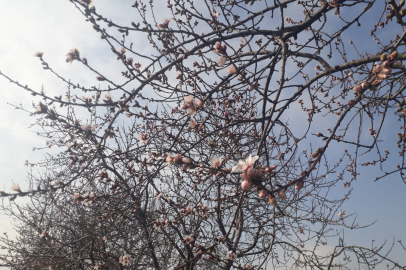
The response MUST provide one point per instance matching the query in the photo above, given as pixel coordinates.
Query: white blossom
(245, 165)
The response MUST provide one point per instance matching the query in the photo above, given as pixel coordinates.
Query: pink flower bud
(250, 87)
(179, 75)
(272, 200)
(221, 61)
(263, 193)
(246, 185)
(273, 167)
(299, 185)
(244, 176)
(186, 160)
(365, 85)
(393, 56)
(184, 107)
(386, 64)
(282, 195)
(386, 70)
(259, 176)
(376, 82)
(217, 46)
(357, 89)
(251, 173)
(178, 159)
(199, 103)
(232, 70)
(397, 65)
(382, 76)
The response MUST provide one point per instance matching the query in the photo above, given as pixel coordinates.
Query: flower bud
(232, 70)
(386, 70)
(246, 185)
(263, 193)
(199, 103)
(382, 76)
(250, 87)
(282, 195)
(299, 185)
(314, 155)
(186, 160)
(376, 69)
(357, 89)
(184, 107)
(384, 56)
(245, 176)
(385, 64)
(259, 176)
(393, 55)
(217, 46)
(365, 85)
(178, 159)
(397, 65)
(221, 61)
(251, 173)
(272, 200)
(178, 75)
(376, 83)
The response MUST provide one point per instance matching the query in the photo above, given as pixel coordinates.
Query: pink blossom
(143, 138)
(246, 185)
(231, 256)
(216, 162)
(263, 193)
(199, 103)
(188, 100)
(192, 110)
(125, 260)
(357, 89)
(232, 70)
(221, 61)
(188, 239)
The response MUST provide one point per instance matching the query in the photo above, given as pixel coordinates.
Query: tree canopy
(221, 144)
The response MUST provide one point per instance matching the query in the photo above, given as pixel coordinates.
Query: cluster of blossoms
(143, 138)
(158, 224)
(220, 49)
(202, 210)
(125, 260)
(85, 199)
(231, 256)
(253, 177)
(179, 160)
(191, 105)
(250, 175)
(380, 72)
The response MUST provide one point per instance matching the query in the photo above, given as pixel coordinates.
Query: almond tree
(191, 160)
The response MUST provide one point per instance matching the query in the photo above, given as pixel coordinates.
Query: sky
(55, 27)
